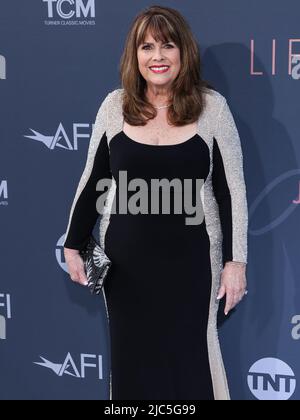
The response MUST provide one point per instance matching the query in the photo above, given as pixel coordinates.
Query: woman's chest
(189, 159)
(159, 132)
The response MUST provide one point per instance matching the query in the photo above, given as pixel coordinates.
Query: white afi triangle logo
(60, 138)
(68, 367)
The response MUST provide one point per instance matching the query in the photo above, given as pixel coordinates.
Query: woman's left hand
(233, 284)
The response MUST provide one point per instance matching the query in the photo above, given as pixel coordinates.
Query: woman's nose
(157, 53)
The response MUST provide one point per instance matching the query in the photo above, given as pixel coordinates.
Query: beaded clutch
(96, 264)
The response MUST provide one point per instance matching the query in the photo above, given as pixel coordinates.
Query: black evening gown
(159, 288)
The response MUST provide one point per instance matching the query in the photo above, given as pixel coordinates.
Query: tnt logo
(67, 9)
(2, 68)
(271, 379)
(60, 258)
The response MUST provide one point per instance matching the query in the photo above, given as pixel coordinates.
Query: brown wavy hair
(165, 24)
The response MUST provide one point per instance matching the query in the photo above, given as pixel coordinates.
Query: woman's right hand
(75, 266)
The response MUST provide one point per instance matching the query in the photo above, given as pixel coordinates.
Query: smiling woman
(161, 37)
(160, 58)
(165, 123)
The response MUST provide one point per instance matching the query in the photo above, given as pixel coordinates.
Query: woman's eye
(148, 46)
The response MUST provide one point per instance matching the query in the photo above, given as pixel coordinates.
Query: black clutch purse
(96, 264)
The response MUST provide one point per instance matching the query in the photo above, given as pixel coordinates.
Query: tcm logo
(2, 67)
(296, 328)
(60, 139)
(3, 193)
(69, 367)
(271, 379)
(5, 302)
(70, 10)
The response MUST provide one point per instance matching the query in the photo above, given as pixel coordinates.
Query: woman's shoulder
(213, 99)
(116, 91)
(109, 102)
(112, 99)
(115, 94)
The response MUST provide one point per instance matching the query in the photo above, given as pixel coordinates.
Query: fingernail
(218, 297)
(86, 283)
(226, 313)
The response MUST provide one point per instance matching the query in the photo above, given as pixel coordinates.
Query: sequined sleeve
(83, 214)
(229, 186)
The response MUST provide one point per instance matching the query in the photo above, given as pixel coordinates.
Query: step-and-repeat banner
(58, 60)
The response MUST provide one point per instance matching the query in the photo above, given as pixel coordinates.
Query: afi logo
(5, 302)
(68, 367)
(3, 192)
(60, 138)
(67, 9)
(2, 68)
(271, 379)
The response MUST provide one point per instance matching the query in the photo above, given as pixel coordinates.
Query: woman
(167, 274)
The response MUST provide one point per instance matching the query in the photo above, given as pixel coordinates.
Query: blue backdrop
(58, 60)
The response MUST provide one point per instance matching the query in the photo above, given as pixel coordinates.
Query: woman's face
(151, 54)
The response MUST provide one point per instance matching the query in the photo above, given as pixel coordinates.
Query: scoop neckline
(159, 145)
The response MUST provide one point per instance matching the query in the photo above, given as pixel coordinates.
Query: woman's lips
(158, 70)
